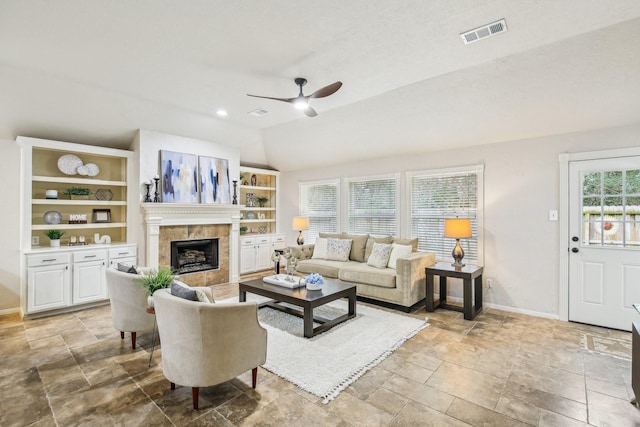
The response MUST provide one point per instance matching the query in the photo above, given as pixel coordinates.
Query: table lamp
(300, 223)
(457, 228)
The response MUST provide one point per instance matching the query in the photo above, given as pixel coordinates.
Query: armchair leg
(133, 340)
(254, 377)
(121, 335)
(194, 395)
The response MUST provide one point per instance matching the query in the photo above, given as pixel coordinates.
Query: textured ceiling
(95, 72)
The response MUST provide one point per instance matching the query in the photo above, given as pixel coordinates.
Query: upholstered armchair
(128, 304)
(207, 344)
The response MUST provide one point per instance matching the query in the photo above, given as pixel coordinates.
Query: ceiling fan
(301, 102)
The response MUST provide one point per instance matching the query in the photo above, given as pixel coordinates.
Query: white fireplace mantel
(157, 215)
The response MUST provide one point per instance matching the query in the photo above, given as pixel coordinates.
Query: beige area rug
(328, 363)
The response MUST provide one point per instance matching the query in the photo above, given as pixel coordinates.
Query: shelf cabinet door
(263, 261)
(89, 283)
(48, 287)
(247, 259)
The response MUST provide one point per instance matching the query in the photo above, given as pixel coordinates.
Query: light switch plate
(35, 240)
(553, 215)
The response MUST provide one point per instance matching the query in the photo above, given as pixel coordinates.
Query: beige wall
(521, 184)
(10, 256)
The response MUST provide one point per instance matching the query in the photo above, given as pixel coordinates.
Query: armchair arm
(410, 276)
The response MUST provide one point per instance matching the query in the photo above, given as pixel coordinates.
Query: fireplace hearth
(190, 256)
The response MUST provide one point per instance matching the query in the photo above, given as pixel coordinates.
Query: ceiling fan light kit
(301, 102)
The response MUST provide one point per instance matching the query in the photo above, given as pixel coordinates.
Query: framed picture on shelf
(101, 215)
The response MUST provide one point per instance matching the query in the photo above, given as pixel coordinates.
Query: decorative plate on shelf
(251, 215)
(104, 194)
(52, 217)
(92, 169)
(68, 164)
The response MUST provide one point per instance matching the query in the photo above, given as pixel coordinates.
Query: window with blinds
(446, 194)
(319, 202)
(373, 206)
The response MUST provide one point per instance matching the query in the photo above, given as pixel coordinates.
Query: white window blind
(319, 202)
(373, 206)
(436, 196)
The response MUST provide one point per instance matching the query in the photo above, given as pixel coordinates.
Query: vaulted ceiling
(96, 71)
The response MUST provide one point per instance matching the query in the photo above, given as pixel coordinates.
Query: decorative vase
(54, 243)
(314, 286)
(150, 301)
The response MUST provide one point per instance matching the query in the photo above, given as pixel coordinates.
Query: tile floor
(502, 369)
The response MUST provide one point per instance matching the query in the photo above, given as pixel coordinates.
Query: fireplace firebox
(190, 256)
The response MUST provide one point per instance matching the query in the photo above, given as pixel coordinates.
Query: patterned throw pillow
(380, 254)
(338, 249)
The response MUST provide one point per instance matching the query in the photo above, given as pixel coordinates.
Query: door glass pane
(591, 183)
(611, 209)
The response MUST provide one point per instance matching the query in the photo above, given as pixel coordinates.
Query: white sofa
(400, 287)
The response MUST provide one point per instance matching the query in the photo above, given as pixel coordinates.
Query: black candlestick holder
(147, 196)
(156, 195)
(235, 193)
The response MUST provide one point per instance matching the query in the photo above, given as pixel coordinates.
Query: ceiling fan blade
(326, 91)
(275, 99)
(310, 112)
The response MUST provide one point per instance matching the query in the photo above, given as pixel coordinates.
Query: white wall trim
(563, 216)
(11, 311)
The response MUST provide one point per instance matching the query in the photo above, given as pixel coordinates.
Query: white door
(604, 227)
(89, 281)
(48, 287)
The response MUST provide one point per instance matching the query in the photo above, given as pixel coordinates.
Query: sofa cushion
(412, 242)
(397, 251)
(362, 273)
(338, 249)
(358, 245)
(320, 249)
(379, 257)
(371, 241)
(330, 235)
(324, 267)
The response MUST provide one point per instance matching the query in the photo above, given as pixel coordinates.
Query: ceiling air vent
(484, 31)
(258, 112)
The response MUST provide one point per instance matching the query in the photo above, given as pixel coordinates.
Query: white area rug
(328, 363)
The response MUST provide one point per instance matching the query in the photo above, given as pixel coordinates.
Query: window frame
(478, 169)
(398, 207)
(308, 238)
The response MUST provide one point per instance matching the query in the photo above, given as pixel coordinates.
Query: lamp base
(457, 255)
(300, 239)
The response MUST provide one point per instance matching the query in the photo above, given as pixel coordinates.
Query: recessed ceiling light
(222, 113)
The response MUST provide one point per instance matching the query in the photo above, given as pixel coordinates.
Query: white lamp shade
(300, 223)
(457, 228)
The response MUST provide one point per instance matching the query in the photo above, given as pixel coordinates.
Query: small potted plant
(244, 229)
(54, 237)
(156, 279)
(77, 193)
(262, 200)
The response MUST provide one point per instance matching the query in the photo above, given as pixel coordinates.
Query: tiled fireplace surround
(165, 222)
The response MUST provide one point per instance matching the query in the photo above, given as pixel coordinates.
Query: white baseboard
(10, 311)
(508, 308)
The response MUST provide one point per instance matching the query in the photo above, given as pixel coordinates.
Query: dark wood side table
(468, 274)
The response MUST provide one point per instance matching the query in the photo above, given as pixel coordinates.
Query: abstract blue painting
(214, 180)
(179, 175)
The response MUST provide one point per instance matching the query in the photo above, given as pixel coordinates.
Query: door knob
(575, 250)
(575, 238)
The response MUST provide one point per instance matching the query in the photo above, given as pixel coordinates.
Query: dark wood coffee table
(306, 300)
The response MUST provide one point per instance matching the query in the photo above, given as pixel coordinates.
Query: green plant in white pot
(156, 279)
(54, 237)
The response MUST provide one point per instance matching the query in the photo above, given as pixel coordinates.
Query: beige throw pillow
(338, 249)
(358, 245)
(380, 254)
